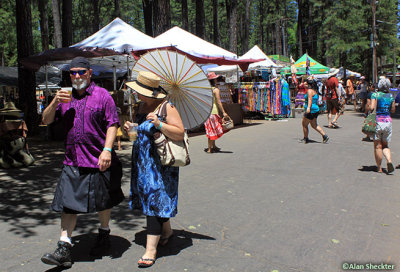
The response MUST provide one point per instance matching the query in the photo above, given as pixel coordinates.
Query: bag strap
(161, 109)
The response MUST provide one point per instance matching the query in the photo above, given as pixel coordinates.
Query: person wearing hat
(90, 180)
(213, 124)
(154, 184)
(332, 102)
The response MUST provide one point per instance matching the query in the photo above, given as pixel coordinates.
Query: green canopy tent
(300, 64)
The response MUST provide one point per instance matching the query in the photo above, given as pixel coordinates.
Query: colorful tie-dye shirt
(384, 103)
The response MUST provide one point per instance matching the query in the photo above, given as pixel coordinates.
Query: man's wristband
(107, 149)
(160, 126)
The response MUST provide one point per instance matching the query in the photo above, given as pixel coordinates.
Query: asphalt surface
(265, 203)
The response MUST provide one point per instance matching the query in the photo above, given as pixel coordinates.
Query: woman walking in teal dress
(155, 185)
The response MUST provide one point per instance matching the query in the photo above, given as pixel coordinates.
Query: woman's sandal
(146, 262)
(164, 240)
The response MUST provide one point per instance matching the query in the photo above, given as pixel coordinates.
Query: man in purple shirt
(90, 180)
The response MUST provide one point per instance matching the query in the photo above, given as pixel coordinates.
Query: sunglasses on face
(80, 72)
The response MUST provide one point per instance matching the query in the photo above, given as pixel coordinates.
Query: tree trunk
(44, 24)
(278, 37)
(148, 16)
(311, 32)
(185, 20)
(96, 16)
(117, 10)
(67, 23)
(300, 27)
(200, 18)
(57, 24)
(231, 12)
(26, 78)
(217, 40)
(162, 16)
(261, 23)
(246, 27)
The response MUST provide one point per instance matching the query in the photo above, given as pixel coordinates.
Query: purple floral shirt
(86, 120)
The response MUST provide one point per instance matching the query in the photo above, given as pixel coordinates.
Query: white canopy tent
(348, 73)
(120, 37)
(191, 44)
(257, 53)
(230, 72)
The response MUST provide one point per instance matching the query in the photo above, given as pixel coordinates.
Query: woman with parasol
(156, 185)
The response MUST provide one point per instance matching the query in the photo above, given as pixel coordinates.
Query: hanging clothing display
(272, 97)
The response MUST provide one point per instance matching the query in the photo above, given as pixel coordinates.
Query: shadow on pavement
(180, 240)
(26, 193)
(371, 168)
(83, 244)
(200, 131)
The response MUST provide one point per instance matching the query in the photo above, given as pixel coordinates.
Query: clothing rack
(270, 98)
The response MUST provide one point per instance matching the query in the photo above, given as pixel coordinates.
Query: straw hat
(148, 84)
(9, 107)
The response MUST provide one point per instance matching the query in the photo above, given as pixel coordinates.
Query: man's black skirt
(87, 190)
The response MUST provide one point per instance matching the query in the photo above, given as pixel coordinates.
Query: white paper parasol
(187, 85)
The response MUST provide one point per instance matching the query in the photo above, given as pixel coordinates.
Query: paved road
(265, 203)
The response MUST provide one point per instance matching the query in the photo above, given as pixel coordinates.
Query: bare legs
(313, 124)
(104, 218)
(68, 222)
(336, 117)
(211, 146)
(381, 149)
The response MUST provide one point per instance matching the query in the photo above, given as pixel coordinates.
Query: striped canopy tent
(315, 67)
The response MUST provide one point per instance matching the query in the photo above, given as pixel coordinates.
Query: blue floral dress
(155, 185)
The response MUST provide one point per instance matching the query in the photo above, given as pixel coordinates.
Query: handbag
(172, 153)
(227, 123)
(369, 125)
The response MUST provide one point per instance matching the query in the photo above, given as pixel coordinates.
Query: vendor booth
(261, 89)
(301, 66)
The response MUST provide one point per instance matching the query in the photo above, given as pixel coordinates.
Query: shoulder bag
(172, 153)
(369, 125)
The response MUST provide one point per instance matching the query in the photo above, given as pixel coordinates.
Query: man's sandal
(146, 262)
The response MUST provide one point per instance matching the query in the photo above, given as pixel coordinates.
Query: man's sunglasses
(80, 72)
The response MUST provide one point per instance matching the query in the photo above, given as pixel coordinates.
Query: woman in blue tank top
(311, 111)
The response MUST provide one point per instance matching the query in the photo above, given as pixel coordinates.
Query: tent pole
(47, 86)
(115, 77)
(127, 67)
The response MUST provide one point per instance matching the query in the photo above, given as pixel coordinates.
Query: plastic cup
(132, 132)
(69, 90)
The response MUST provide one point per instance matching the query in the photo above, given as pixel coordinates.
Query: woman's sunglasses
(80, 72)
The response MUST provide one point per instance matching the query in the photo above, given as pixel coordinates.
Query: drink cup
(69, 91)
(132, 132)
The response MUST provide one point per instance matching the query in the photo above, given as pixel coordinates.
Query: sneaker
(60, 257)
(305, 140)
(102, 244)
(325, 138)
